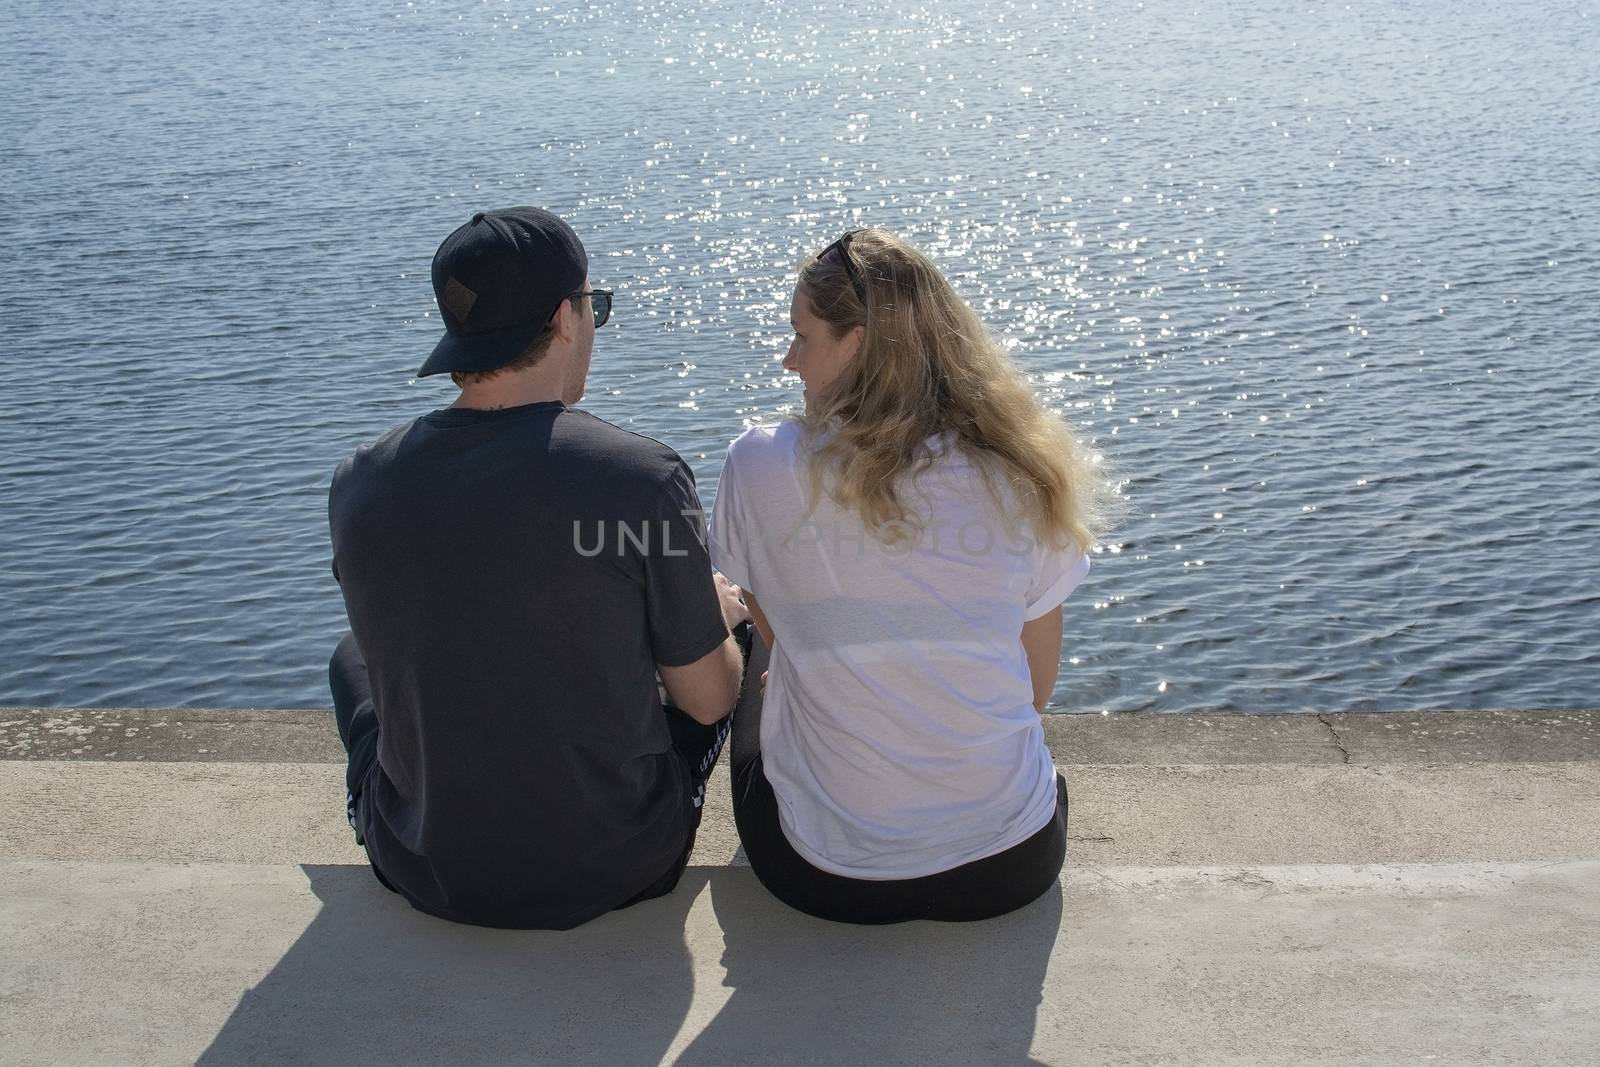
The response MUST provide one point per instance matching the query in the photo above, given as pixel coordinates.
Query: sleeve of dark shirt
(685, 618)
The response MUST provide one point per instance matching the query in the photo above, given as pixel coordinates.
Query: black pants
(697, 744)
(981, 889)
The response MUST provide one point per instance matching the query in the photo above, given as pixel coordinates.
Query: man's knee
(346, 654)
(347, 683)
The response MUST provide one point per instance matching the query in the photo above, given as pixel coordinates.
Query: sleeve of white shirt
(726, 534)
(1057, 573)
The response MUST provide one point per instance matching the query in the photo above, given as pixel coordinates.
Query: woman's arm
(1041, 640)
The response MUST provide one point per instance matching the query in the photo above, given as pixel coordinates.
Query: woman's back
(899, 730)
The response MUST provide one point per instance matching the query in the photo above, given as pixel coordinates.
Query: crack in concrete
(1104, 877)
(1337, 742)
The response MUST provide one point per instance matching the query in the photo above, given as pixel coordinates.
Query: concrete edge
(255, 735)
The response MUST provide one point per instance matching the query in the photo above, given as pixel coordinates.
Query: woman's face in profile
(815, 353)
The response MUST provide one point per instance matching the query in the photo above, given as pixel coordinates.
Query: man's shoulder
(620, 437)
(373, 450)
(620, 452)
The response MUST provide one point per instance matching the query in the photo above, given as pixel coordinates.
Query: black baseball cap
(498, 280)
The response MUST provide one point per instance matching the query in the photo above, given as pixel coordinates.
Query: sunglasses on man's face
(842, 247)
(599, 303)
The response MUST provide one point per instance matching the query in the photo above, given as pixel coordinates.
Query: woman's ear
(853, 341)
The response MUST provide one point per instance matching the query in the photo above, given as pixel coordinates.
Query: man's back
(512, 577)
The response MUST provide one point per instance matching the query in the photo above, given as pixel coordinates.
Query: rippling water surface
(1318, 279)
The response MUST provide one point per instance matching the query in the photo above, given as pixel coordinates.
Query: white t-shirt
(898, 730)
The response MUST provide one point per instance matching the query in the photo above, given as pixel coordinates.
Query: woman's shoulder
(768, 443)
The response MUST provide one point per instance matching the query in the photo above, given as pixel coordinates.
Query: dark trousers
(697, 744)
(981, 889)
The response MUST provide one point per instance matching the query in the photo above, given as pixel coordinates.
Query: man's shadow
(808, 991)
(371, 981)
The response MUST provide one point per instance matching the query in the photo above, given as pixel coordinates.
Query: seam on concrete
(161, 735)
(1338, 742)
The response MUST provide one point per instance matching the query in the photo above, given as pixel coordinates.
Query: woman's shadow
(371, 981)
(810, 991)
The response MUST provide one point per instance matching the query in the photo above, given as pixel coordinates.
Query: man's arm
(707, 689)
(1041, 640)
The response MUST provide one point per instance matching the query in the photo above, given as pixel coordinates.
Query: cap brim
(475, 353)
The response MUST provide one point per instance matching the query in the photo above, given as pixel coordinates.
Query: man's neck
(507, 391)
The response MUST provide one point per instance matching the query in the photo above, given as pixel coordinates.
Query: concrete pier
(180, 887)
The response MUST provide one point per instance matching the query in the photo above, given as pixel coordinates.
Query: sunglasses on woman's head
(842, 247)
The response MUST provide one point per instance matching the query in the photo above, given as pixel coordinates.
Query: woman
(904, 547)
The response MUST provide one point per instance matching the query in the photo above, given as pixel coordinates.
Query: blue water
(1318, 279)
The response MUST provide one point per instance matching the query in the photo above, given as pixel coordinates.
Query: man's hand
(731, 597)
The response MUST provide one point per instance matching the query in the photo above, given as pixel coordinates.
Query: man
(516, 573)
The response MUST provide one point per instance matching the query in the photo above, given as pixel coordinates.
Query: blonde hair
(926, 366)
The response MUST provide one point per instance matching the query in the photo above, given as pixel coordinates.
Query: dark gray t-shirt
(512, 578)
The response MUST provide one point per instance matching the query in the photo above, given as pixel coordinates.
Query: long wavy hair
(927, 366)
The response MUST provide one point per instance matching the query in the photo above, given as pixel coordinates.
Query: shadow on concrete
(372, 981)
(806, 991)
